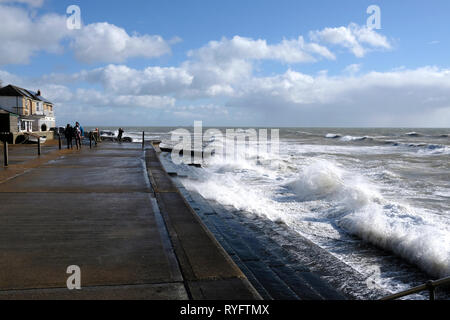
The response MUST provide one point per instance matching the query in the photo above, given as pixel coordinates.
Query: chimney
(39, 93)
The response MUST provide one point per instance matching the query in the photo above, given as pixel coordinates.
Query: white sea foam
(352, 138)
(353, 203)
(332, 136)
(433, 149)
(361, 210)
(413, 134)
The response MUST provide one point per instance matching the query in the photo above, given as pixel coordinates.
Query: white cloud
(219, 65)
(22, 36)
(396, 98)
(104, 42)
(121, 79)
(358, 39)
(289, 51)
(96, 98)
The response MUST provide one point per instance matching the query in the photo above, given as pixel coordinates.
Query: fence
(430, 286)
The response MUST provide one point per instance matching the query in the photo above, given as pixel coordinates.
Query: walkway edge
(208, 271)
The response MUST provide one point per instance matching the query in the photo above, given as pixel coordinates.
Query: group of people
(77, 133)
(71, 133)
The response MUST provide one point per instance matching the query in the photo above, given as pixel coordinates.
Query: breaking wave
(332, 136)
(352, 138)
(354, 205)
(361, 210)
(413, 134)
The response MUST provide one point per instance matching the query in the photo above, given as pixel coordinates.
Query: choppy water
(389, 188)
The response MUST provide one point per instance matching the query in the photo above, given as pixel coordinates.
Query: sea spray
(362, 211)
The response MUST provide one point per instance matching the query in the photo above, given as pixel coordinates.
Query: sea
(376, 199)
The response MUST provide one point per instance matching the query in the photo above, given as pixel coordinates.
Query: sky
(232, 63)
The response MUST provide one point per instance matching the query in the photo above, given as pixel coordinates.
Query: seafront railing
(430, 286)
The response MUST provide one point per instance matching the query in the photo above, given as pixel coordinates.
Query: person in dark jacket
(68, 133)
(120, 136)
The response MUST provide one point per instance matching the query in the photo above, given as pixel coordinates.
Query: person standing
(77, 134)
(68, 133)
(120, 136)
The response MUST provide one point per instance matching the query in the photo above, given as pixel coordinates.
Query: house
(36, 114)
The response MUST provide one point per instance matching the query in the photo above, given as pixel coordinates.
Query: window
(39, 106)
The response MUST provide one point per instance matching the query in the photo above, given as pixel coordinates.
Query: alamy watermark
(74, 281)
(230, 144)
(374, 21)
(74, 20)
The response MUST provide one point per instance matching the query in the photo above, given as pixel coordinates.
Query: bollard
(39, 146)
(59, 141)
(5, 153)
(143, 140)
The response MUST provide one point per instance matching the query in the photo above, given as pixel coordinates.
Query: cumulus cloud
(290, 51)
(121, 79)
(219, 64)
(96, 98)
(22, 36)
(104, 42)
(358, 39)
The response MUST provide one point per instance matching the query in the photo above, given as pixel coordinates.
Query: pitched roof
(14, 91)
(6, 111)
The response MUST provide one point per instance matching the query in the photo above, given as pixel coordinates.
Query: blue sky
(233, 63)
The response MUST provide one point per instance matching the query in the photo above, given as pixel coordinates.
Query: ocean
(376, 199)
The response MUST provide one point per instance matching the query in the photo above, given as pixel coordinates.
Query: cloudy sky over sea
(233, 63)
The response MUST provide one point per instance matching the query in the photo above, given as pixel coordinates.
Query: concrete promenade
(114, 212)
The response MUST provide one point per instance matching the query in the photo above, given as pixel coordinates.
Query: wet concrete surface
(98, 209)
(22, 153)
